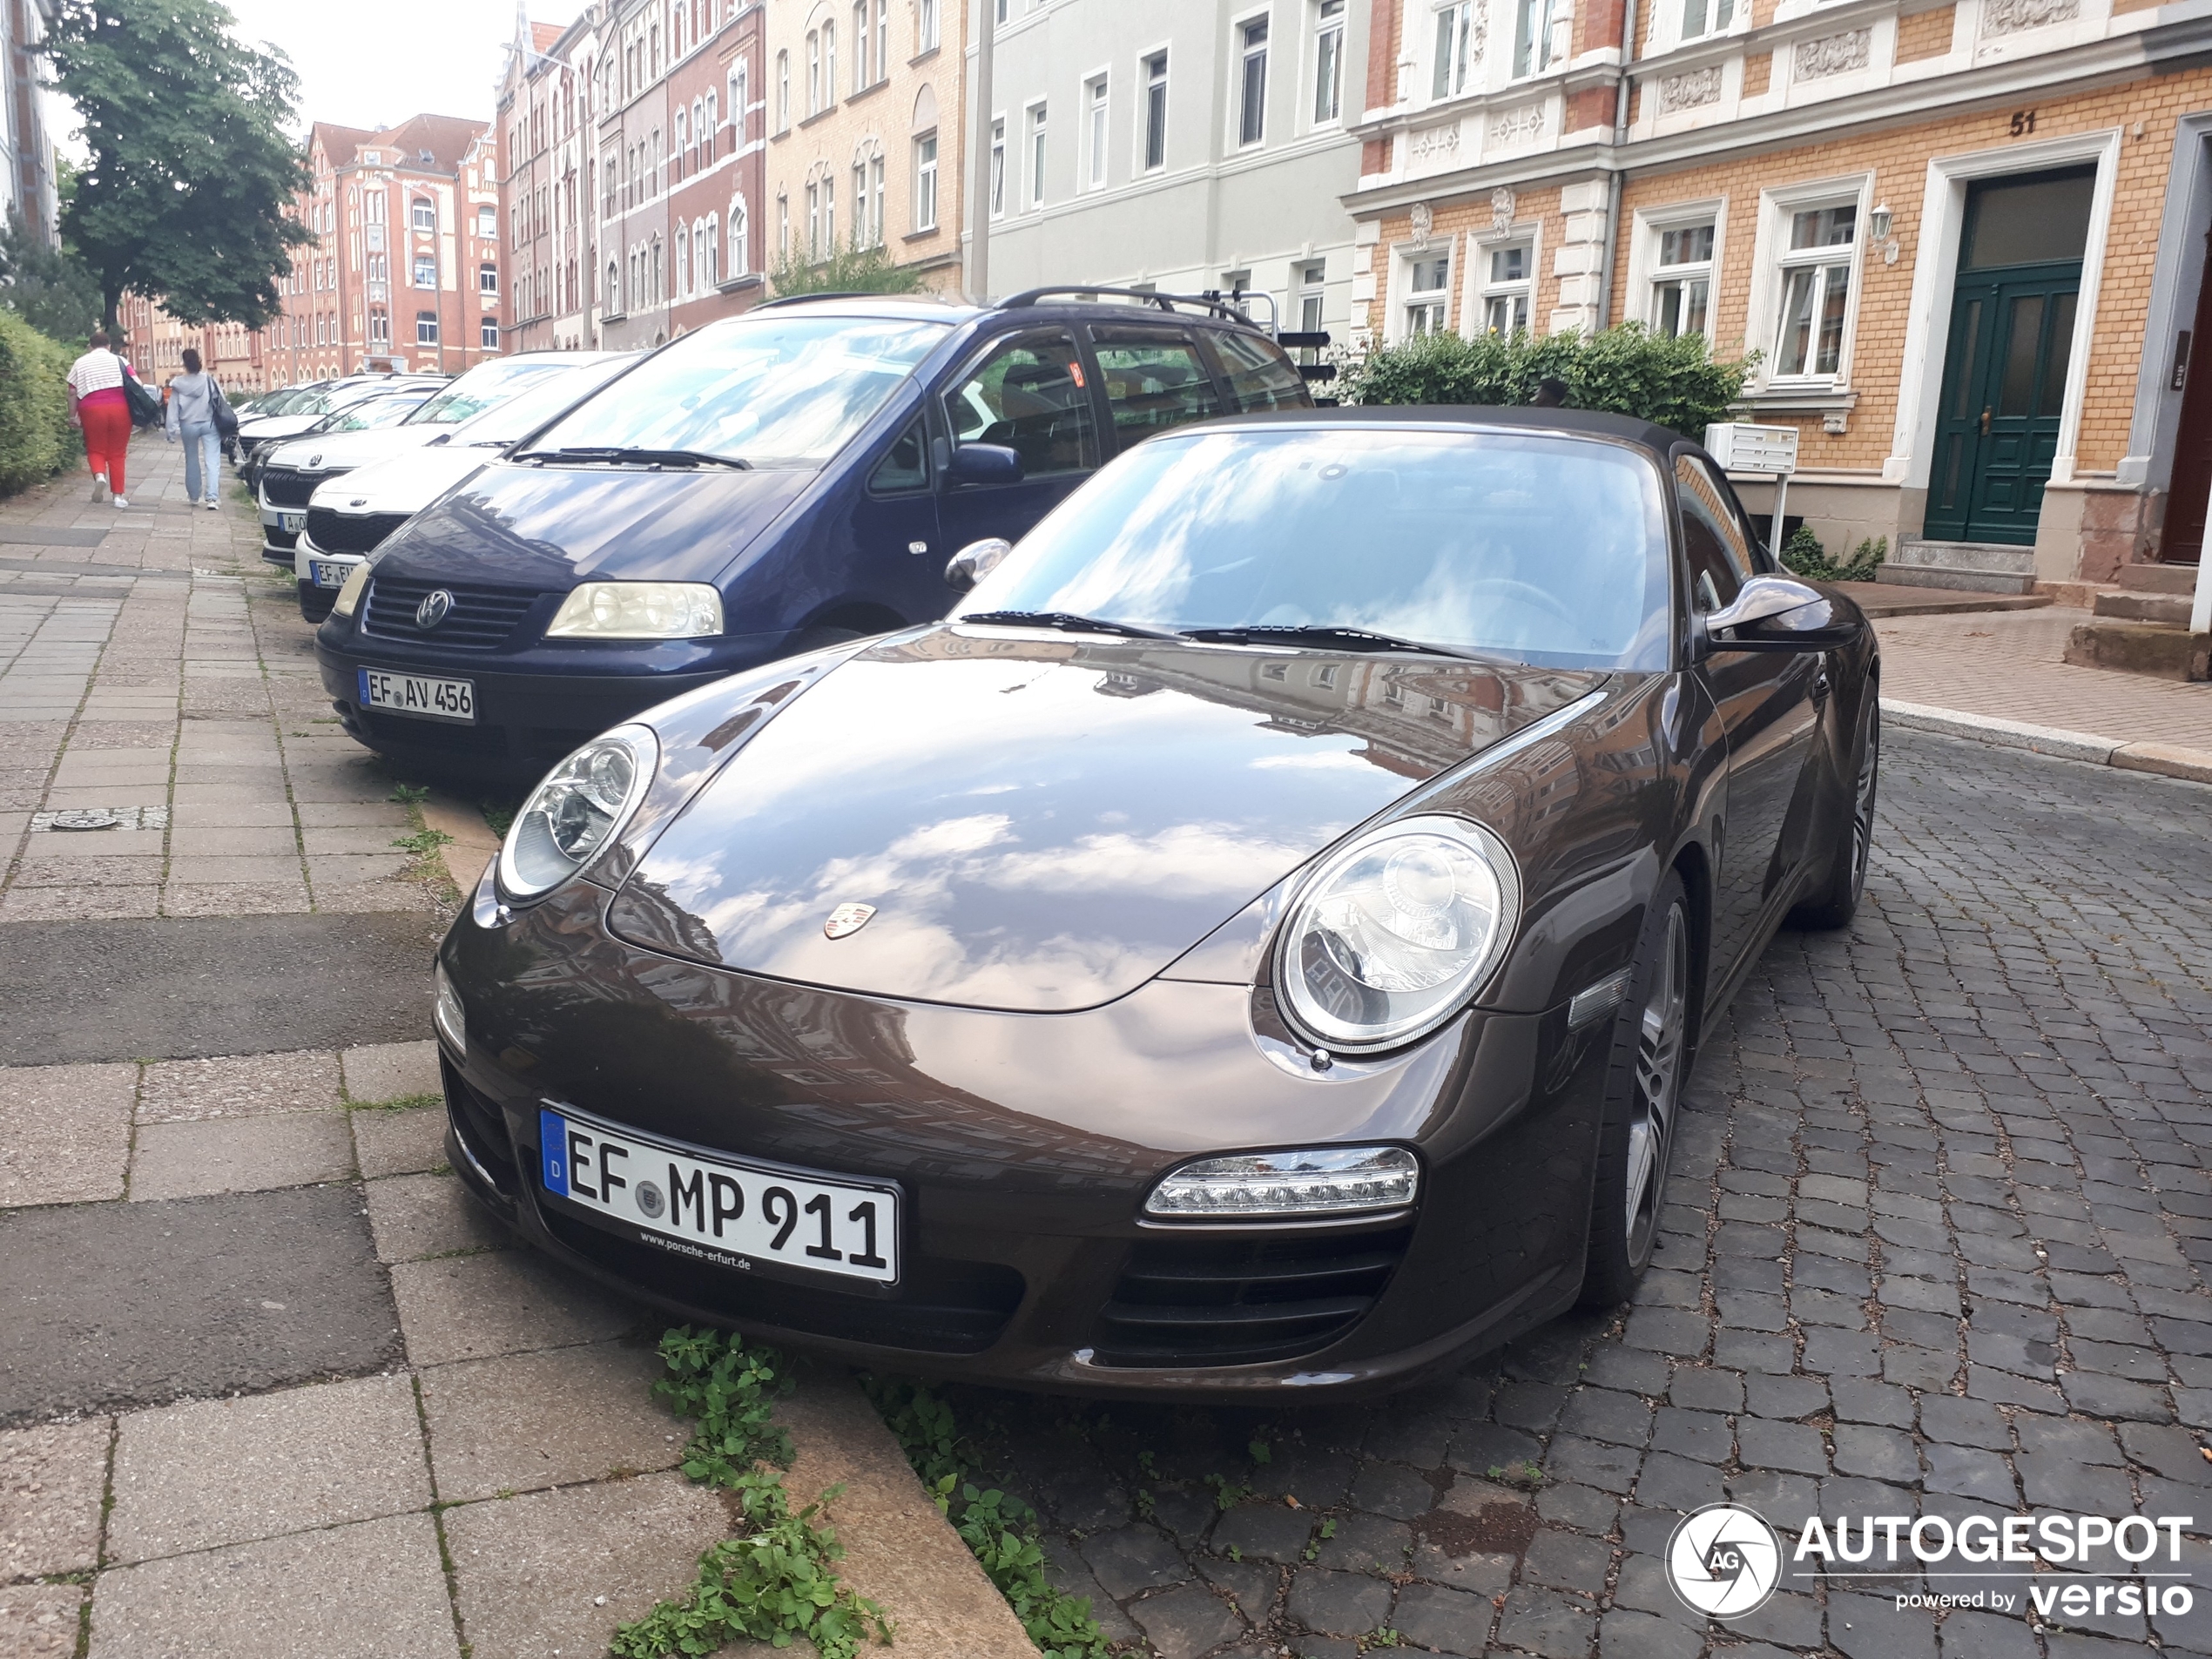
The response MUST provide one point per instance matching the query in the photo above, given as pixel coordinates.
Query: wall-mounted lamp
(1879, 221)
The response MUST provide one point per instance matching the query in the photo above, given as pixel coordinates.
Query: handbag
(219, 407)
(145, 408)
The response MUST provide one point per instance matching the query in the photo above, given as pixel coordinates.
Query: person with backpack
(101, 405)
(195, 403)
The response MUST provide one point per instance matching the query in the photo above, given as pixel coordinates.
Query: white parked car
(348, 517)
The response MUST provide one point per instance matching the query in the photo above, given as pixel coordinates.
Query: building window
(883, 40)
(684, 260)
(829, 63)
(488, 333)
(1507, 283)
(1706, 17)
(426, 270)
(1816, 290)
(1311, 292)
(1532, 36)
(1095, 96)
(487, 278)
(1251, 119)
(426, 327)
(1036, 156)
(740, 260)
(487, 220)
(683, 131)
(926, 27)
(1328, 63)
(926, 182)
(1155, 112)
(1428, 284)
(613, 293)
(861, 80)
(1681, 285)
(998, 167)
(783, 91)
(875, 197)
(1456, 52)
(380, 327)
(424, 214)
(709, 237)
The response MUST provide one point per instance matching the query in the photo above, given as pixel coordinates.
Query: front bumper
(1023, 1146)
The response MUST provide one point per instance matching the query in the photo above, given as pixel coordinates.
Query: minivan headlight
(349, 595)
(638, 611)
(581, 806)
(1396, 931)
(1319, 1181)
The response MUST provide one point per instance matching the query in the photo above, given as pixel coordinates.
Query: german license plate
(291, 522)
(328, 573)
(718, 1209)
(417, 694)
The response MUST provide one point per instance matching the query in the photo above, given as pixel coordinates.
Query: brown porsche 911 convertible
(1257, 942)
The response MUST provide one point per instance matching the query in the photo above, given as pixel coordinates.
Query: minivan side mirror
(1778, 613)
(985, 463)
(974, 562)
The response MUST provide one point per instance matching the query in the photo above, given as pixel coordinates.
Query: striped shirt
(99, 370)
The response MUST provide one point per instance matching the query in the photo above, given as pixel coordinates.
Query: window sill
(869, 90)
(825, 111)
(1808, 398)
(739, 283)
(923, 235)
(923, 56)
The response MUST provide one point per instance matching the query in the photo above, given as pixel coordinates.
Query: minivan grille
(287, 487)
(336, 532)
(481, 619)
(1243, 1300)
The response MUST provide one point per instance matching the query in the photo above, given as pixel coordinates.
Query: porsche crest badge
(847, 919)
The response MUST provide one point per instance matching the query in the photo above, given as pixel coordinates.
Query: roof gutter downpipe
(1614, 185)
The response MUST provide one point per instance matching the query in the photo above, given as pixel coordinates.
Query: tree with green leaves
(863, 270)
(47, 287)
(187, 196)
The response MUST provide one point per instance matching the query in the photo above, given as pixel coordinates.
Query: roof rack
(1227, 309)
(843, 293)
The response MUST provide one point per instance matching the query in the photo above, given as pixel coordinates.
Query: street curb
(473, 846)
(2166, 759)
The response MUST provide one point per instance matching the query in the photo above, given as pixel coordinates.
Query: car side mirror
(985, 463)
(1778, 613)
(974, 562)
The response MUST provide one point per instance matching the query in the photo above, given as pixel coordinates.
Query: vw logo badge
(1723, 1560)
(847, 919)
(437, 606)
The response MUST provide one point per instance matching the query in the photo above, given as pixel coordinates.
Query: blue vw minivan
(768, 484)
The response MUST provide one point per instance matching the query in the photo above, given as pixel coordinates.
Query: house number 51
(2023, 122)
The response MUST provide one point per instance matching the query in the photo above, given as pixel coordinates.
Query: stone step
(1996, 557)
(1967, 580)
(2171, 609)
(2158, 578)
(2141, 648)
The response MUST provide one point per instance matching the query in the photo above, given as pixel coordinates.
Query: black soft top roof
(1621, 429)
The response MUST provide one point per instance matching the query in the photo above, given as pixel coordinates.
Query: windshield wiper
(1265, 633)
(1067, 621)
(617, 455)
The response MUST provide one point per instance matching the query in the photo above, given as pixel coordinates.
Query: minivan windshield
(773, 389)
(1543, 550)
(545, 398)
(480, 388)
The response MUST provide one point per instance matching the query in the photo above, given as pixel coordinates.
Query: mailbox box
(1742, 447)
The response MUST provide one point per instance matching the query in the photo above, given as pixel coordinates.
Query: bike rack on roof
(1228, 309)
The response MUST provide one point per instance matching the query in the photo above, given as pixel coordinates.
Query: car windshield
(776, 390)
(1543, 550)
(547, 398)
(481, 388)
(381, 411)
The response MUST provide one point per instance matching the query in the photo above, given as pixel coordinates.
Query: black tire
(1834, 900)
(822, 636)
(1643, 1082)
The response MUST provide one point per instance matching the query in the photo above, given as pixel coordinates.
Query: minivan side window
(1720, 557)
(1155, 381)
(902, 469)
(1029, 393)
(1260, 376)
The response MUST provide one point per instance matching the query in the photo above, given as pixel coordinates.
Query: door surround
(2175, 276)
(1935, 274)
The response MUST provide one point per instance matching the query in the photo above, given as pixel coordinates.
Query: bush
(37, 440)
(850, 271)
(1629, 370)
(1804, 554)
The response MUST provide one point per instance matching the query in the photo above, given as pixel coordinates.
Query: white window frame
(927, 24)
(1397, 326)
(1480, 288)
(1146, 83)
(1037, 135)
(926, 180)
(998, 167)
(1466, 16)
(1098, 91)
(1326, 27)
(1241, 103)
(1770, 254)
(1644, 268)
(1533, 23)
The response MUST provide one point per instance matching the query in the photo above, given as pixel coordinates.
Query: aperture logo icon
(1723, 1560)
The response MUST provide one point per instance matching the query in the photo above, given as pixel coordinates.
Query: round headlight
(1394, 932)
(583, 802)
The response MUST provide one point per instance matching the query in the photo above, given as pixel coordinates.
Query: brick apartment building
(865, 105)
(157, 343)
(406, 269)
(1968, 238)
(630, 171)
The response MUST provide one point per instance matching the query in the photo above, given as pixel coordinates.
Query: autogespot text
(2144, 1543)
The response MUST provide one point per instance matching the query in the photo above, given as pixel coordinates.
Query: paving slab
(212, 1473)
(40, 1620)
(556, 1573)
(375, 1590)
(405, 1143)
(416, 1216)
(190, 1091)
(241, 1155)
(391, 1070)
(524, 1421)
(117, 1305)
(52, 1477)
(472, 1307)
(65, 1133)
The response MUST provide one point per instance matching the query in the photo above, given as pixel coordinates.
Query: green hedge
(1630, 370)
(37, 440)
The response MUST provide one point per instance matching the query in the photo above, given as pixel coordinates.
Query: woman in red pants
(103, 410)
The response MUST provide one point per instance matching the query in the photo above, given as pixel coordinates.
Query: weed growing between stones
(776, 1580)
(999, 1529)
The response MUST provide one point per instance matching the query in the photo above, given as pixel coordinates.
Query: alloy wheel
(1661, 1040)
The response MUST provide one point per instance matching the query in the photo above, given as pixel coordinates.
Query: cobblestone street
(1937, 1245)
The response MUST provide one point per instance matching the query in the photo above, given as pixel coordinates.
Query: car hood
(342, 451)
(270, 428)
(403, 483)
(1044, 825)
(551, 527)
